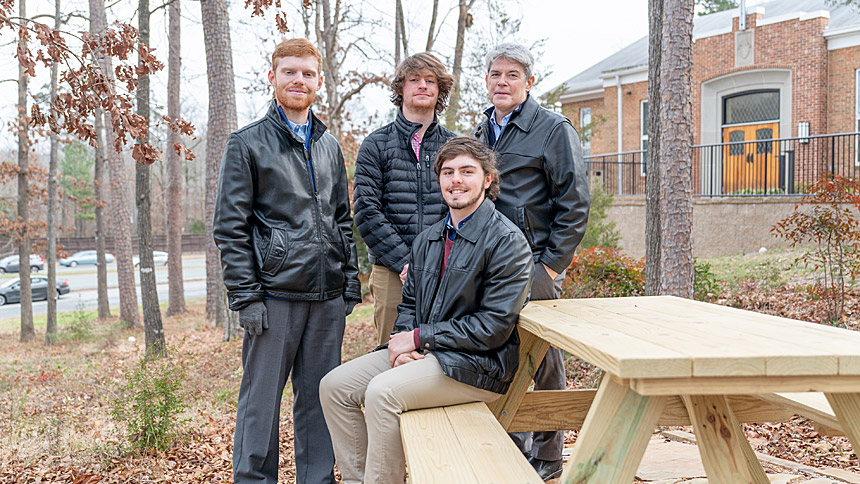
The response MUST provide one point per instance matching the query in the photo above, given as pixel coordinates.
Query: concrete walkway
(672, 458)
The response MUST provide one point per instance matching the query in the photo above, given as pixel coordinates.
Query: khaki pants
(385, 392)
(387, 292)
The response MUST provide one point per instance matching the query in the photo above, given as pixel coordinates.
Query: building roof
(635, 55)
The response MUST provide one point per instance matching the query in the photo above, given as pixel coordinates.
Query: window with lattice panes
(584, 122)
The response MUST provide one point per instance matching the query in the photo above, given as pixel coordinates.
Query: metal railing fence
(766, 167)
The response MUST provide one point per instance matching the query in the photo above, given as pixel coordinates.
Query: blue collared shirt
(303, 131)
(497, 128)
(450, 231)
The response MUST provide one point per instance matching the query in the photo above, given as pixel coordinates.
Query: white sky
(578, 34)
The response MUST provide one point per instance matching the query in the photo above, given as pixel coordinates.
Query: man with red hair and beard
(283, 224)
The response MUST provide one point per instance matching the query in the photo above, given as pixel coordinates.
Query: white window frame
(643, 135)
(583, 114)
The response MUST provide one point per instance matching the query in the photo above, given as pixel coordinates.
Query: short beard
(295, 104)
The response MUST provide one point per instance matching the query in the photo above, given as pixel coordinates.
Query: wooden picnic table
(663, 351)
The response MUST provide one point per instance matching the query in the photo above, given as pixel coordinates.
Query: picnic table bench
(667, 361)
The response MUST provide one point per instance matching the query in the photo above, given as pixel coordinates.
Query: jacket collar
(524, 119)
(317, 126)
(472, 229)
(407, 128)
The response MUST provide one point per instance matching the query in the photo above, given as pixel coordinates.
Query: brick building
(792, 71)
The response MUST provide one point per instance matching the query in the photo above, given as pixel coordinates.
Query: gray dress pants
(549, 376)
(304, 342)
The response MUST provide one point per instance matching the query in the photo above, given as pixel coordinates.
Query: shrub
(79, 327)
(705, 286)
(598, 232)
(149, 405)
(603, 272)
(825, 218)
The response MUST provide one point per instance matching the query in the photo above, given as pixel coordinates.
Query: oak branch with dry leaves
(88, 86)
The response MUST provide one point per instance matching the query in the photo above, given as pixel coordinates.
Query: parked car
(10, 291)
(10, 263)
(159, 258)
(85, 257)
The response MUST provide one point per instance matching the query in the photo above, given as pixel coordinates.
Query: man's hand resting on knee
(402, 344)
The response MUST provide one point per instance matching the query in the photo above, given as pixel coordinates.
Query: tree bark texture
(676, 141)
(222, 121)
(28, 332)
(51, 256)
(327, 42)
(98, 193)
(176, 293)
(121, 227)
(153, 329)
(452, 113)
(652, 177)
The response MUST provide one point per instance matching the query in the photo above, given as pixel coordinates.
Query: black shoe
(546, 469)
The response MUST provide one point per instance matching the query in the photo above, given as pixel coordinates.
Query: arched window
(751, 107)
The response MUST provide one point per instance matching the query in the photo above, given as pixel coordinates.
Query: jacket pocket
(525, 226)
(270, 249)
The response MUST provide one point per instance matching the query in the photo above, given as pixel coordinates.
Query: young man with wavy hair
(455, 338)
(395, 193)
(283, 224)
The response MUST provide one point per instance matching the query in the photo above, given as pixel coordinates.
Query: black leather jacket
(283, 233)
(544, 187)
(396, 195)
(468, 319)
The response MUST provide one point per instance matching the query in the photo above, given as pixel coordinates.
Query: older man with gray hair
(544, 192)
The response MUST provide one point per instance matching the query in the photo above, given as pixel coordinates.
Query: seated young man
(454, 339)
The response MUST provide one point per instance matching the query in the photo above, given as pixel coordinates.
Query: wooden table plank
(602, 346)
(718, 354)
(801, 336)
(743, 385)
(720, 344)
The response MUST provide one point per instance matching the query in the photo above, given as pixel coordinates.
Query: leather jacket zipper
(317, 217)
(420, 200)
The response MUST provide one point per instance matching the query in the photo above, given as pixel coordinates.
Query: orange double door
(750, 167)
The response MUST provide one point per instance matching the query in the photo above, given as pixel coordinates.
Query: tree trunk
(152, 326)
(431, 32)
(652, 176)
(98, 193)
(328, 45)
(176, 297)
(398, 32)
(121, 227)
(674, 168)
(28, 332)
(51, 256)
(222, 121)
(451, 114)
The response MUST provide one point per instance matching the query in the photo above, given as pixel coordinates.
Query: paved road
(83, 282)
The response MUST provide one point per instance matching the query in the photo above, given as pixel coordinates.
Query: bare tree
(669, 262)
(222, 121)
(340, 86)
(121, 229)
(398, 33)
(28, 331)
(51, 326)
(176, 297)
(98, 183)
(431, 32)
(464, 21)
(152, 326)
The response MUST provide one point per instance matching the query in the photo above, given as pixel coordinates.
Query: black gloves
(253, 318)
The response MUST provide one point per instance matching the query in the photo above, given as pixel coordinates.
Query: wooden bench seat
(461, 444)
